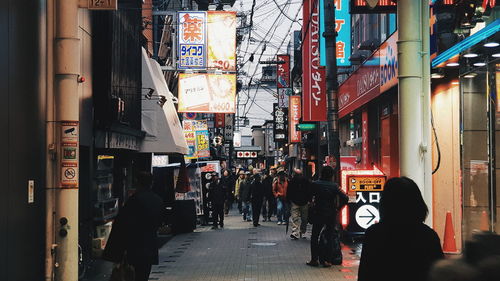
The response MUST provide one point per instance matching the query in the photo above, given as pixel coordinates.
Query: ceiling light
(455, 83)
(470, 75)
(497, 55)
(491, 44)
(452, 64)
(479, 64)
(437, 75)
(470, 55)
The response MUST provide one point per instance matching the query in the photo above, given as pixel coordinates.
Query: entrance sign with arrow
(366, 215)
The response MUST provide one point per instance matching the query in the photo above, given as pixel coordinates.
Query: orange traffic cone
(449, 243)
(484, 225)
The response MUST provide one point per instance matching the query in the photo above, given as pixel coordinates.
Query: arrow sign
(367, 215)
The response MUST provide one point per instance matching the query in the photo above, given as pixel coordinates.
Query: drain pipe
(414, 117)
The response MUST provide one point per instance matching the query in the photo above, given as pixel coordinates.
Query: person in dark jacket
(257, 196)
(269, 203)
(327, 201)
(244, 193)
(402, 215)
(134, 233)
(299, 194)
(217, 196)
(228, 182)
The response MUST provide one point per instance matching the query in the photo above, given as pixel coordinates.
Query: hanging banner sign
(343, 29)
(389, 63)
(207, 93)
(192, 41)
(294, 119)
(284, 96)
(280, 123)
(197, 138)
(221, 39)
(283, 72)
(219, 120)
(228, 127)
(313, 75)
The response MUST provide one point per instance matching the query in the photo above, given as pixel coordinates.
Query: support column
(414, 97)
(66, 70)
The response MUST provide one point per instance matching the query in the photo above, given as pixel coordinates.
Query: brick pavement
(241, 252)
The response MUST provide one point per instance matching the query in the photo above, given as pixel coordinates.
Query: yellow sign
(364, 183)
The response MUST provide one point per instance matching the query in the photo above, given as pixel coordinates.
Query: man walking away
(257, 194)
(245, 197)
(217, 196)
(134, 232)
(269, 203)
(299, 194)
(327, 201)
(280, 187)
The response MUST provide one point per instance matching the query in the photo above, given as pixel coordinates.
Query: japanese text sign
(313, 75)
(197, 138)
(343, 29)
(283, 96)
(283, 72)
(280, 123)
(207, 93)
(294, 118)
(192, 40)
(221, 40)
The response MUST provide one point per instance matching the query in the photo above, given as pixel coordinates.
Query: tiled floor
(243, 252)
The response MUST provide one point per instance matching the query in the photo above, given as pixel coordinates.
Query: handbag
(123, 271)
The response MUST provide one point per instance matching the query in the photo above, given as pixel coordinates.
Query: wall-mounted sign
(197, 138)
(294, 112)
(102, 4)
(228, 127)
(343, 29)
(283, 72)
(280, 123)
(192, 40)
(284, 96)
(246, 154)
(207, 93)
(221, 40)
(314, 76)
(219, 120)
(237, 139)
(373, 6)
(389, 63)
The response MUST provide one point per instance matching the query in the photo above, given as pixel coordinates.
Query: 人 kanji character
(359, 197)
(193, 29)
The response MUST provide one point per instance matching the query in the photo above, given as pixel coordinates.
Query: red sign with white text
(294, 119)
(283, 72)
(313, 75)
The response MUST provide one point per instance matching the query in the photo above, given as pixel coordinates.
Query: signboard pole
(332, 87)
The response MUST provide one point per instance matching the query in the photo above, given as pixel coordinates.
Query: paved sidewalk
(241, 252)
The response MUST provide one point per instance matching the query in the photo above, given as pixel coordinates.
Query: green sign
(306, 127)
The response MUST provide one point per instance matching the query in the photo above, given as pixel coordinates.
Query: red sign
(294, 119)
(219, 120)
(283, 72)
(314, 76)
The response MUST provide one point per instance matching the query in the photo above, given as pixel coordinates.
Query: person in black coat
(401, 229)
(299, 195)
(245, 197)
(269, 203)
(327, 201)
(217, 196)
(257, 196)
(134, 233)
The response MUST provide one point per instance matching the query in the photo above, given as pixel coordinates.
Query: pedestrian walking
(401, 228)
(280, 187)
(245, 197)
(327, 201)
(228, 182)
(134, 234)
(257, 196)
(237, 184)
(269, 204)
(217, 196)
(299, 195)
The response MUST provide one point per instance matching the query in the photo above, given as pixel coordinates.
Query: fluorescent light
(479, 64)
(451, 64)
(437, 75)
(470, 55)
(497, 55)
(470, 75)
(491, 44)
(455, 83)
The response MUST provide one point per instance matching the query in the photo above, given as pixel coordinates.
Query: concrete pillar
(414, 96)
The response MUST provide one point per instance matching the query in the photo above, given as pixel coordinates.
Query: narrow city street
(243, 252)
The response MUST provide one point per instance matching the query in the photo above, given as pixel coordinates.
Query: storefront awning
(162, 126)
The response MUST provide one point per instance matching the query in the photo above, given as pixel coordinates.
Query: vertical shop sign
(69, 154)
(294, 119)
(279, 118)
(192, 40)
(221, 40)
(343, 29)
(197, 138)
(314, 78)
(283, 72)
(219, 120)
(389, 63)
(228, 127)
(284, 96)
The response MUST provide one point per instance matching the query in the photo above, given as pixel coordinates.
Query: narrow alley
(243, 252)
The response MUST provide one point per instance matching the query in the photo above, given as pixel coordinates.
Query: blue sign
(192, 40)
(343, 28)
